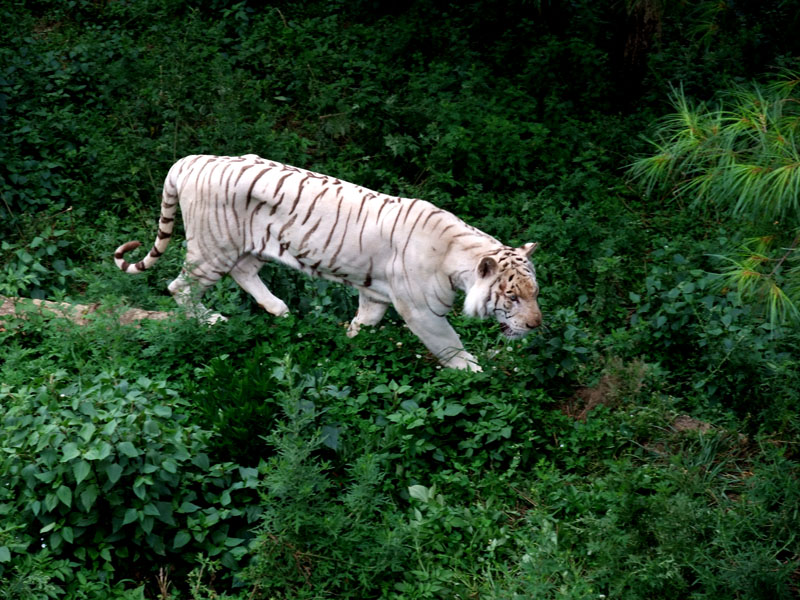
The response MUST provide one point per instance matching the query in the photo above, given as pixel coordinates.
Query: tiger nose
(535, 322)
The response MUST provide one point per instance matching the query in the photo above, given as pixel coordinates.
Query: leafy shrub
(240, 398)
(323, 530)
(742, 157)
(677, 528)
(113, 475)
(37, 269)
(713, 344)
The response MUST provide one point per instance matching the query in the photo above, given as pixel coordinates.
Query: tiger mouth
(509, 332)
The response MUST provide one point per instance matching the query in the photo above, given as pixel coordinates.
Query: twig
(789, 250)
(285, 24)
(163, 583)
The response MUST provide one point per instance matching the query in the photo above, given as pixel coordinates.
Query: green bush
(324, 530)
(38, 269)
(111, 474)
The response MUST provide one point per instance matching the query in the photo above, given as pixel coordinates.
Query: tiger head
(505, 286)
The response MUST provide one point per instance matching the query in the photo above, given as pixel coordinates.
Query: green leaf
(67, 534)
(130, 516)
(46, 477)
(110, 427)
(454, 409)
(140, 491)
(50, 502)
(55, 540)
(5, 554)
(249, 474)
(48, 527)
(409, 405)
(81, 470)
(70, 451)
(188, 507)
(88, 497)
(147, 525)
(87, 431)
(420, 492)
(163, 411)
(65, 495)
(128, 449)
(98, 451)
(113, 472)
(181, 539)
(201, 461)
(165, 513)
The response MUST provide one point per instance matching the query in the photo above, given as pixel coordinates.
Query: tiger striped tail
(169, 206)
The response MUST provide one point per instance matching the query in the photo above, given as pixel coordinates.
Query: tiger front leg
(439, 337)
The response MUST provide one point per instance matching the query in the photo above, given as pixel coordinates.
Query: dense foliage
(642, 444)
(743, 158)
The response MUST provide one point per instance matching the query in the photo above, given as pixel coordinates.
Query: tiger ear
(487, 266)
(529, 249)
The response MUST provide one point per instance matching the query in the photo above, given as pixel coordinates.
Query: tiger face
(506, 287)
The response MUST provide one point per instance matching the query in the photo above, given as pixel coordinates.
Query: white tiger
(240, 212)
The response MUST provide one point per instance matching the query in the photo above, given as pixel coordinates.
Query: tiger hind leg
(370, 312)
(188, 288)
(245, 273)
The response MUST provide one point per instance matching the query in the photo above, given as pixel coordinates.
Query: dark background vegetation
(642, 444)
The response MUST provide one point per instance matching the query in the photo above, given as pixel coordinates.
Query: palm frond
(781, 307)
(754, 273)
(782, 188)
(744, 156)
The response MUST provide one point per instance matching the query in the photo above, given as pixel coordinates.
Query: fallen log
(77, 313)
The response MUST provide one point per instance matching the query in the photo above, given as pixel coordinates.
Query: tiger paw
(278, 309)
(464, 362)
(211, 318)
(353, 329)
